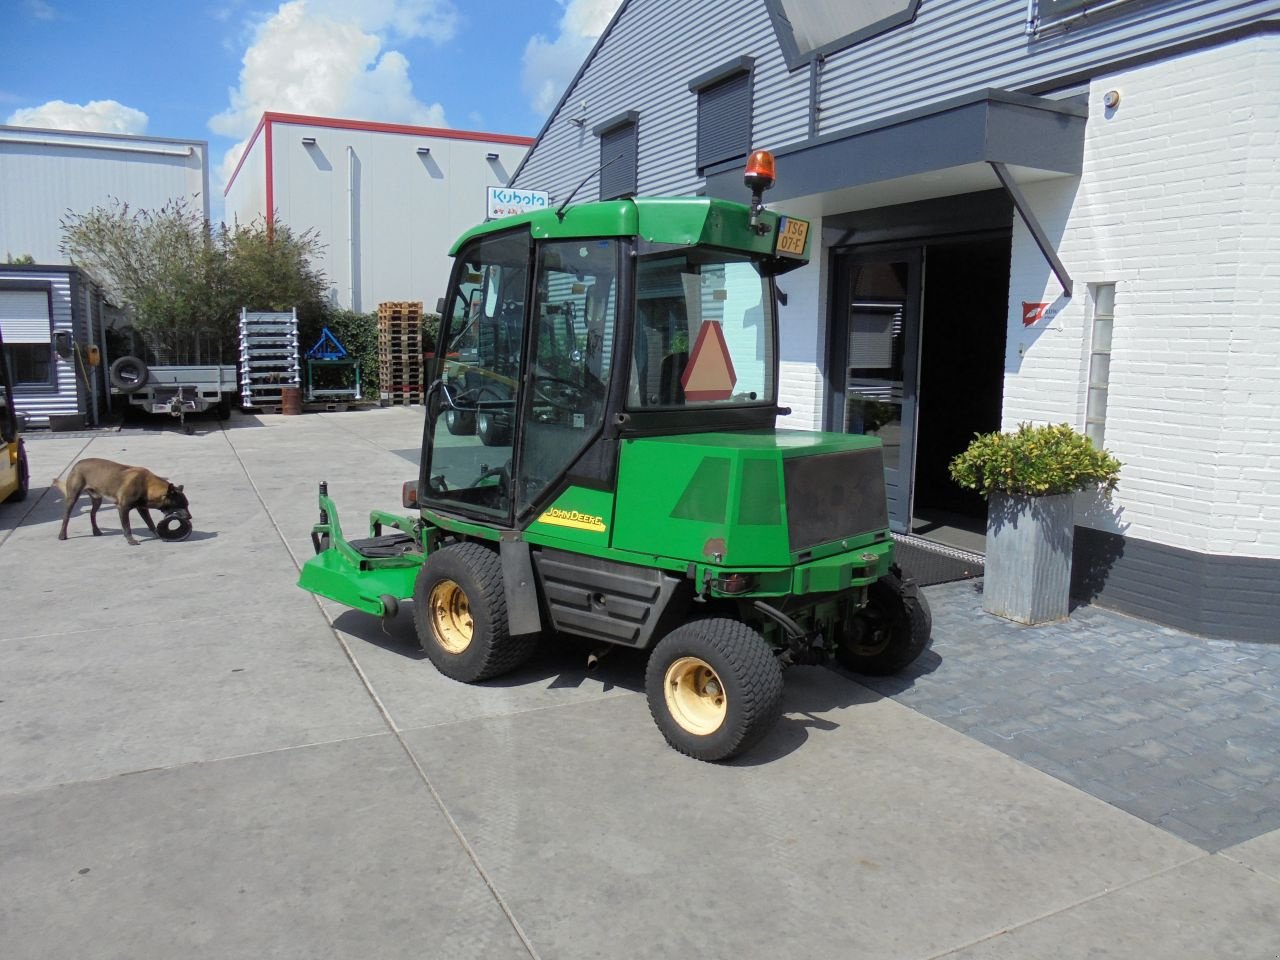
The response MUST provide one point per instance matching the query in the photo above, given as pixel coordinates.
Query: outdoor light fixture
(424, 151)
(308, 141)
(491, 156)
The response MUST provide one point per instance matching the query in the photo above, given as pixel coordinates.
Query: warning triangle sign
(709, 374)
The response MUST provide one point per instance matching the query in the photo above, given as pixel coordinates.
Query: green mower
(600, 459)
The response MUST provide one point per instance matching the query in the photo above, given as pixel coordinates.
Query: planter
(1028, 562)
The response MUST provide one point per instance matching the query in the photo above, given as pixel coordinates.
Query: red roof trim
(445, 132)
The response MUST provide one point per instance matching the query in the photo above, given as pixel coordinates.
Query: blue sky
(207, 69)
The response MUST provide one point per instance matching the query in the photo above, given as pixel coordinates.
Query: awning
(992, 139)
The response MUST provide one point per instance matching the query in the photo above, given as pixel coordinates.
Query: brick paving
(1179, 730)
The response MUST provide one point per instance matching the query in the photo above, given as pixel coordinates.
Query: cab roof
(662, 221)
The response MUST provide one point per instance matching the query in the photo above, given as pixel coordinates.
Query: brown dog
(130, 488)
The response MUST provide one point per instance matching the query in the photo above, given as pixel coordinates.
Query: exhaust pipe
(595, 656)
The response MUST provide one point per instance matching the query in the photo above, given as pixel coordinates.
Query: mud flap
(523, 616)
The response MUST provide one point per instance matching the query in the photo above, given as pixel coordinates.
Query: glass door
(875, 358)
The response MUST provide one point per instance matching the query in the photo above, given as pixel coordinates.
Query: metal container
(1028, 563)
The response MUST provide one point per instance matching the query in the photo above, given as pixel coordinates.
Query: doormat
(928, 562)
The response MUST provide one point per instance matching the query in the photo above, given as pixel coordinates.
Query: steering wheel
(570, 394)
(503, 473)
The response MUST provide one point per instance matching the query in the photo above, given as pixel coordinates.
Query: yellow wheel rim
(695, 696)
(451, 616)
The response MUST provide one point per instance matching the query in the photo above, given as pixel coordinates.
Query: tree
(185, 282)
(270, 269)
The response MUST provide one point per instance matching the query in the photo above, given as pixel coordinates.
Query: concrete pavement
(198, 759)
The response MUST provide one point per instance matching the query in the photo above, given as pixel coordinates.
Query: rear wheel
(492, 431)
(890, 632)
(460, 424)
(460, 612)
(714, 688)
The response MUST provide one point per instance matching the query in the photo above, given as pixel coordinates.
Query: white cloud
(96, 116)
(326, 58)
(41, 10)
(549, 65)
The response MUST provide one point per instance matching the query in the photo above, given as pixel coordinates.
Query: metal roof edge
(564, 97)
(131, 137)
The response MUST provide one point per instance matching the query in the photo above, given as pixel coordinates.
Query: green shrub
(1038, 461)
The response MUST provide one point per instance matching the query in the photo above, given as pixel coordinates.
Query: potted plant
(1030, 478)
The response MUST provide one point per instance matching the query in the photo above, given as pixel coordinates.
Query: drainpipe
(351, 228)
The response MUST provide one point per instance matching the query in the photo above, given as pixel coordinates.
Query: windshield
(704, 333)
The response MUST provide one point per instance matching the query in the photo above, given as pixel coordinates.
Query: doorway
(917, 355)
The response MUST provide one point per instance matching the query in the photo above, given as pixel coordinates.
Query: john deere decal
(572, 518)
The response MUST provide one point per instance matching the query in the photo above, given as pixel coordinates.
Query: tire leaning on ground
(460, 613)
(714, 688)
(128, 374)
(891, 632)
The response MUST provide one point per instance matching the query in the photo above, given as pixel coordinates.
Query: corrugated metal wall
(952, 48)
(45, 173)
(39, 403)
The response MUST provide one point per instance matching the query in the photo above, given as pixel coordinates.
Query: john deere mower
(600, 459)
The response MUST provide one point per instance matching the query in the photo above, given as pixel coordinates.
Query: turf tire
(749, 674)
(477, 571)
(901, 614)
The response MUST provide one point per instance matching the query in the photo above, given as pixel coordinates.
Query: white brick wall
(802, 328)
(1179, 206)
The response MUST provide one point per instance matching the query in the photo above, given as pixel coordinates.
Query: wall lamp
(424, 151)
(491, 156)
(308, 141)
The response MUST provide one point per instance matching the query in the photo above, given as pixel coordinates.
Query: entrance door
(875, 353)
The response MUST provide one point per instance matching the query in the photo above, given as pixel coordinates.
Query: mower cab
(601, 459)
(15, 473)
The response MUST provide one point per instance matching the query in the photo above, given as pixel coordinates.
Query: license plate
(792, 235)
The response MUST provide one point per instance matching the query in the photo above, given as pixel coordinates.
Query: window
(704, 333)
(484, 345)
(25, 323)
(618, 156)
(1051, 13)
(1095, 419)
(808, 29)
(575, 304)
(724, 113)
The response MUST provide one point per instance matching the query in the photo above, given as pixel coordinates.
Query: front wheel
(460, 612)
(890, 632)
(714, 688)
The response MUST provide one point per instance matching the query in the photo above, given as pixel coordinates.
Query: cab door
(467, 457)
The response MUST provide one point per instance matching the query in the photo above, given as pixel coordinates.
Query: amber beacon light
(759, 177)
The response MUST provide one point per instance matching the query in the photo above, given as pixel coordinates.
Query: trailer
(174, 389)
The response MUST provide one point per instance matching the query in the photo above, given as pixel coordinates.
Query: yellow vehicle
(15, 475)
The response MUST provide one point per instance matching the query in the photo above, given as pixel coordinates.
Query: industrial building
(1051, 211)
(49, 311)
(385, 200)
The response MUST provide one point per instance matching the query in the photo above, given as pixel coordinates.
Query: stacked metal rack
(400, 352)
(268, 359)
